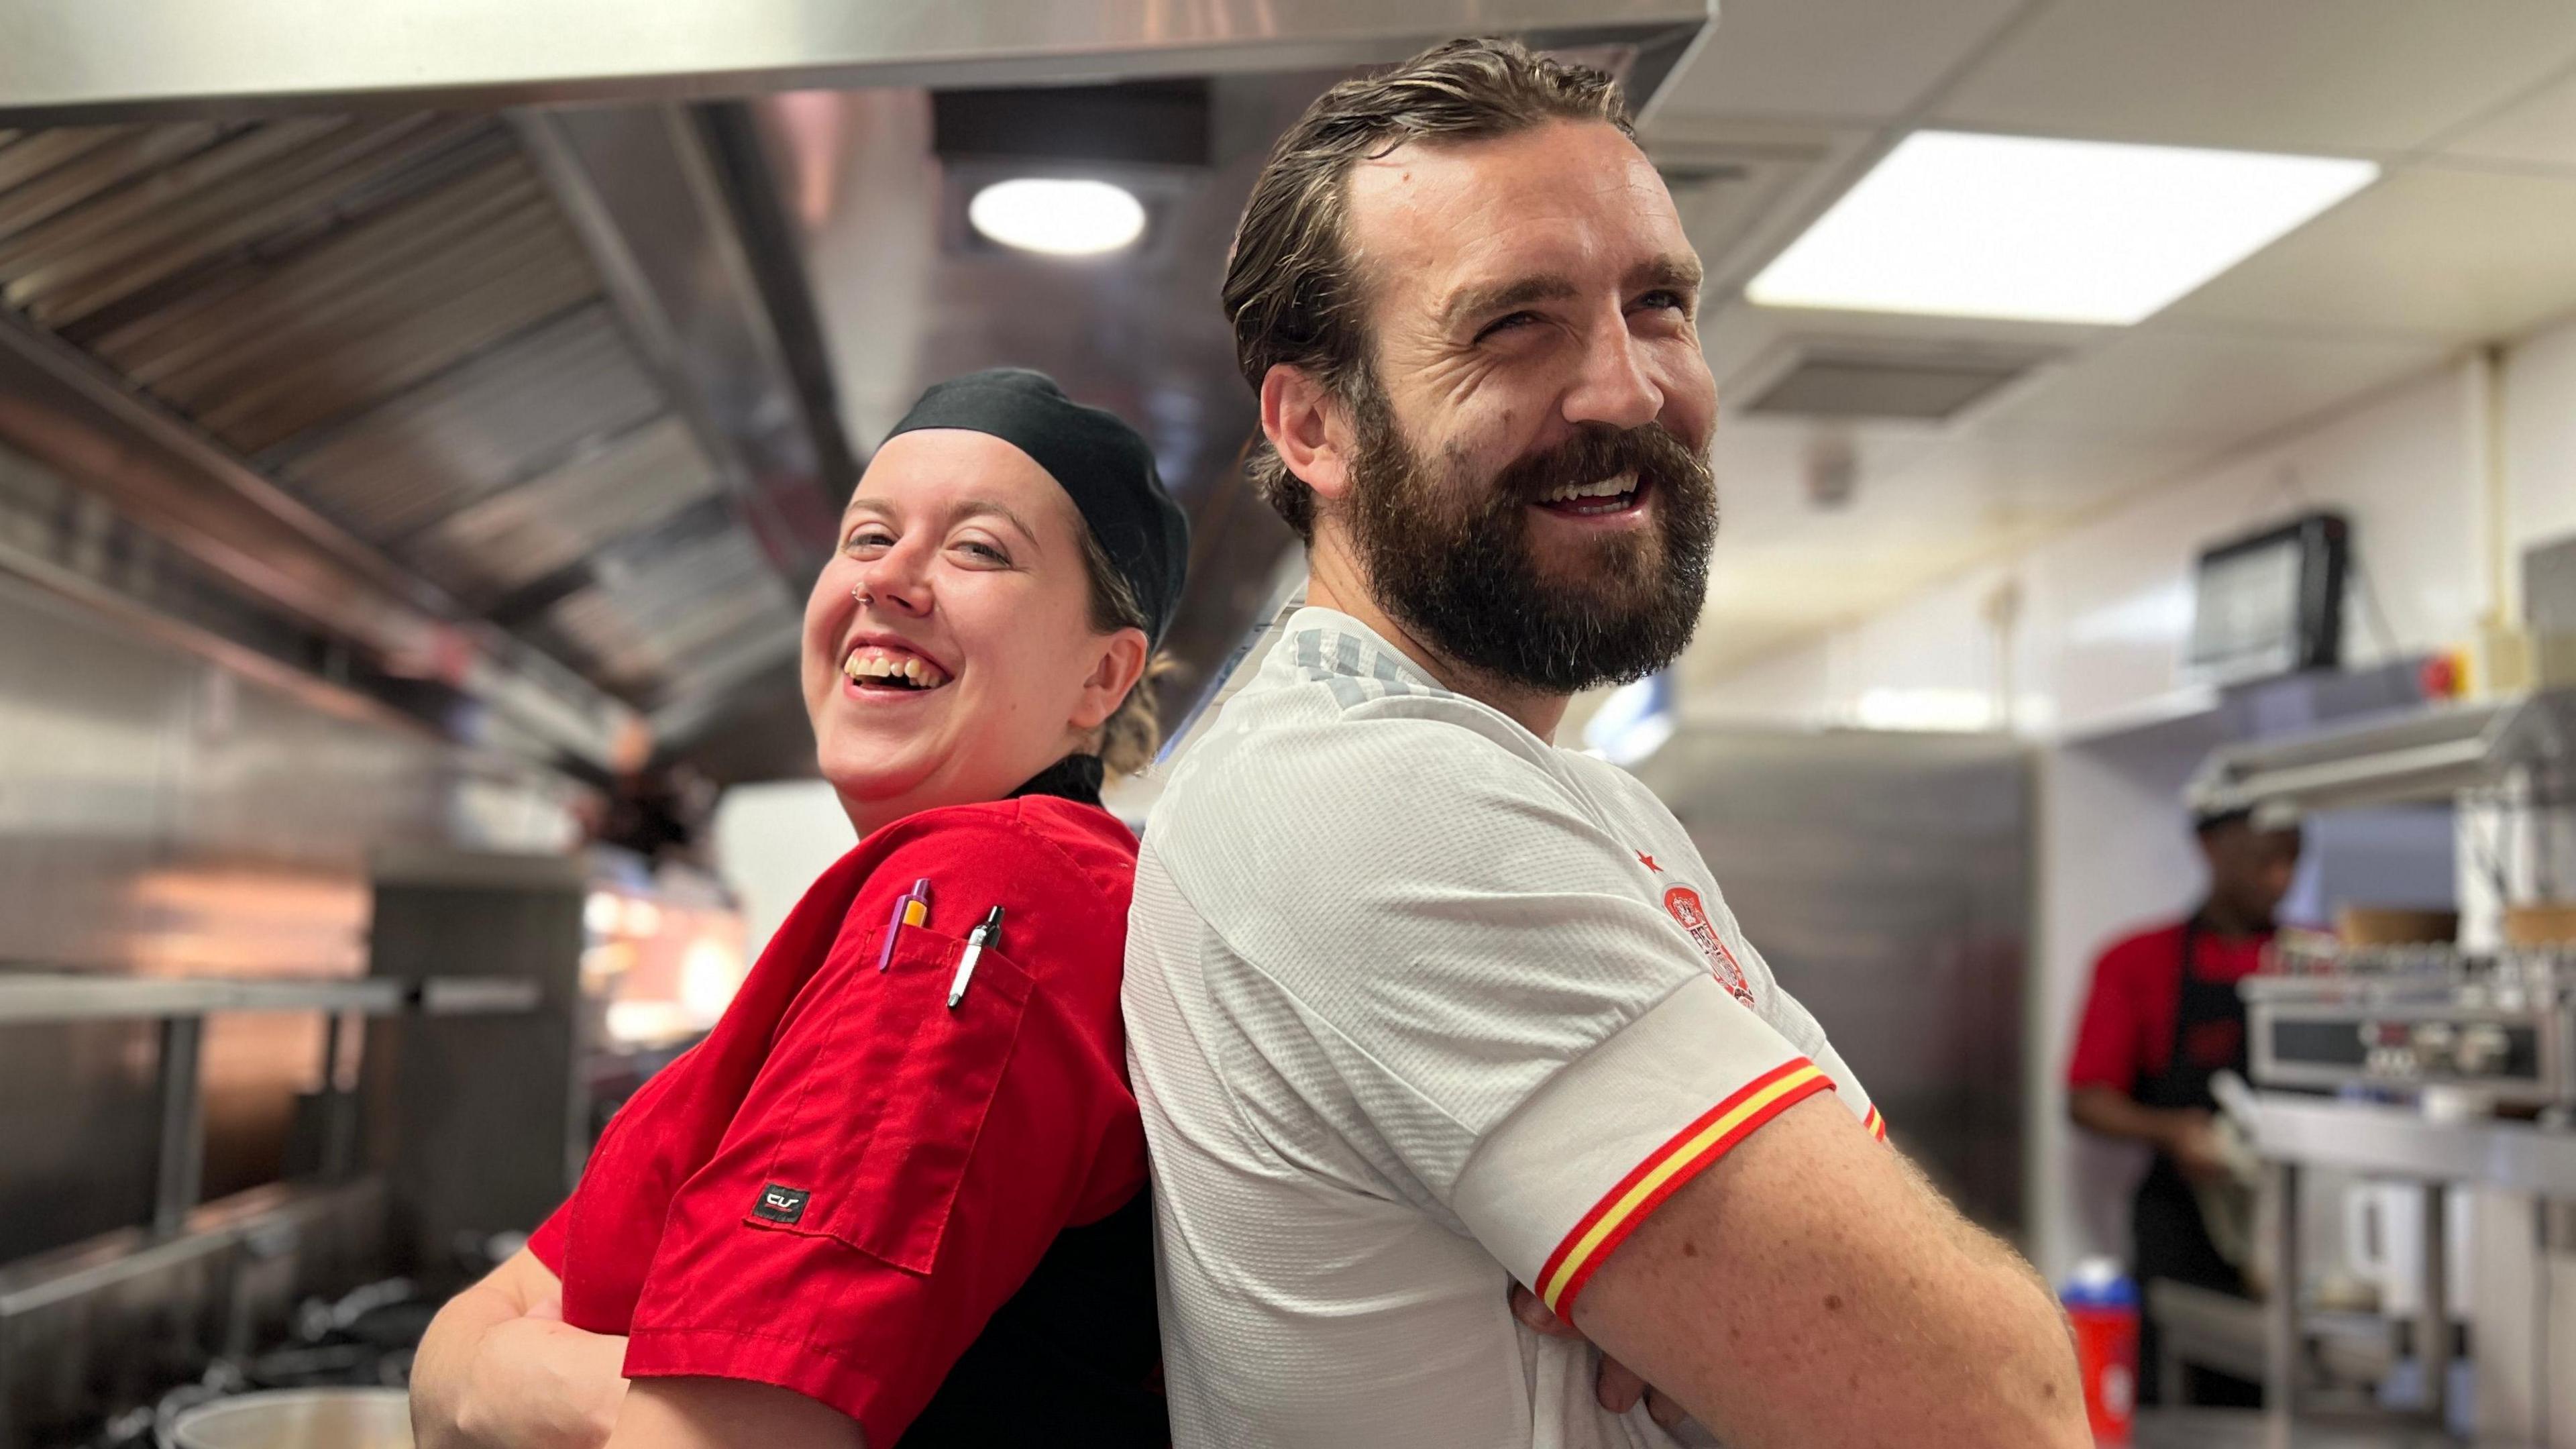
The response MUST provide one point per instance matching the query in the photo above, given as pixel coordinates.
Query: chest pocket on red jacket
(894, 1090)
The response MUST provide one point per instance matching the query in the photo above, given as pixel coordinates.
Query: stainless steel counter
(2251, 1429)
(59, 997)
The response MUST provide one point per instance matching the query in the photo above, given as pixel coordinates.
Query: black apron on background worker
(2170, 1238)
(2163, 1017)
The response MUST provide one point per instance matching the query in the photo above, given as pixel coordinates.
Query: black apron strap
(2171, 1240)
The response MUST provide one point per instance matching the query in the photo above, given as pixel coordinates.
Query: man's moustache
(1652, 451)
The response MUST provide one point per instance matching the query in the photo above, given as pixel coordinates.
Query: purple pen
(910, 909)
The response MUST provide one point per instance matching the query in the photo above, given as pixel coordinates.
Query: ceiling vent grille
(1861, 385)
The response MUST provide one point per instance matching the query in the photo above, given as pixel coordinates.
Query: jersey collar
(1326, 643)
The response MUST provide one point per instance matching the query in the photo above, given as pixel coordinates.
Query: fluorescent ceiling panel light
(1065, 218)
(1964, 225)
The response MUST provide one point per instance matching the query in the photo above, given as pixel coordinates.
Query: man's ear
(1310, 428)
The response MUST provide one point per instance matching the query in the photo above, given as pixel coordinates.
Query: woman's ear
(1120, 664)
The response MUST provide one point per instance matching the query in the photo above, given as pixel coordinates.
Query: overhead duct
(430, 395)
(549, 387)
(72, 63)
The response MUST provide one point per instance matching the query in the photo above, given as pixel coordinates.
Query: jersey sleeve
(2106, 1036)
(1436, 946)
(898, 1167)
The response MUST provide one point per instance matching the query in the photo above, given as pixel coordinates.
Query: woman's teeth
(898, 671)
(1605, 496)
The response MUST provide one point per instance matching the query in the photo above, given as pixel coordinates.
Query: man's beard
(1450, 557)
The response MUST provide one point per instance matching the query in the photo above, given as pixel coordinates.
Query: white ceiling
(2470, 236)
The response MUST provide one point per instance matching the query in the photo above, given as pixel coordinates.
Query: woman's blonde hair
(1133, 732)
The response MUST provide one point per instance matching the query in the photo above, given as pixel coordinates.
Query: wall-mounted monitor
(2271, 603)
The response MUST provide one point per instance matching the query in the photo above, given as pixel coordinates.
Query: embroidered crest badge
(1684, 903)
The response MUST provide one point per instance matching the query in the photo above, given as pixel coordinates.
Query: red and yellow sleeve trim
(1663, 1173)
(1876, 1124)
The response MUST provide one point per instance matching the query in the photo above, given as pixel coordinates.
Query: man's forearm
(1813, 1288)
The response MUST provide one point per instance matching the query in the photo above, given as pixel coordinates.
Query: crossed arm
(500, 1369)
(1848, 1304)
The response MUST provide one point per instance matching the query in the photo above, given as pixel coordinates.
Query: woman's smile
(874, 666)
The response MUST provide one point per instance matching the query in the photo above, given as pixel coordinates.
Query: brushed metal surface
(162, 817)
(366, 304)
(48, 996)
(120, 1316)
(437, 365)
(2403, 1142)
(62, 60)
(1885, 877)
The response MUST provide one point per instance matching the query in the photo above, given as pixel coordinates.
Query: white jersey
(1417, 1005)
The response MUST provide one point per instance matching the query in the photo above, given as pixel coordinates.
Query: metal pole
(2433, 1315)
(338, 1106)
(181, 1170)
(2281, 1313)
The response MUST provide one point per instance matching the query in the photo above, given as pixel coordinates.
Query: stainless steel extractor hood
(556, 405)
(71, 60)
(528, 409)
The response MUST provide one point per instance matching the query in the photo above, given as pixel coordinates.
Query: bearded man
(1421, 1007)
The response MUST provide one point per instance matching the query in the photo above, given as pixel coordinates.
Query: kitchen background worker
(2162, 1019)
(857, 1207)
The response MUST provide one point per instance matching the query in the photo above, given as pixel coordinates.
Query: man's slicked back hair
(1291, 284)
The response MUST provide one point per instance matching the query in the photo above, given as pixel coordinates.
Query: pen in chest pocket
(910, 909)
(987, 932)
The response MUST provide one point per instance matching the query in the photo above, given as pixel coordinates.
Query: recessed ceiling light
(1966, 225)
(1058, 216)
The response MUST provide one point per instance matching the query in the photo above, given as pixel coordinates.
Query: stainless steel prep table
(2252, 1429)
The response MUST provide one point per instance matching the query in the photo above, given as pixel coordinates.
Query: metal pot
(298, 1419)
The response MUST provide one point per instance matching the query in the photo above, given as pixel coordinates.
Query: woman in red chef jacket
(868, 1208)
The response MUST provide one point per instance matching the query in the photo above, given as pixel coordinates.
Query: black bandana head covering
(1099, 461)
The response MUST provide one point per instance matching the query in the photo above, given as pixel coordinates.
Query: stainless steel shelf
(61, 997)
(2425, 755)
(181, 1006)
(2398, 1142)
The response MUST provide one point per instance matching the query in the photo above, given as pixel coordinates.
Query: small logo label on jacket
(781, 1204)
(1685, 905)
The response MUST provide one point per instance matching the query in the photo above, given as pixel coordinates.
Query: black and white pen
(986, 932)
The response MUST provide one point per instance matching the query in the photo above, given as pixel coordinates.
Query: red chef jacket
(2127, 1031)
(837, 1189)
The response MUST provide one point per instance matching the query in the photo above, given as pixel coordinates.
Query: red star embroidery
(1648, 862)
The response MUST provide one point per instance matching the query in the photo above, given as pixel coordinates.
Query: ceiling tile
(2297, 75)
(2538, 130)
(2130, 411)
(2204, 389)
(2462, 256)
(1869, 59)
(1743, 188)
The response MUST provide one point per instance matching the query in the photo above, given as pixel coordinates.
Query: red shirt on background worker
(2162, 1019)
(898, 1193)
